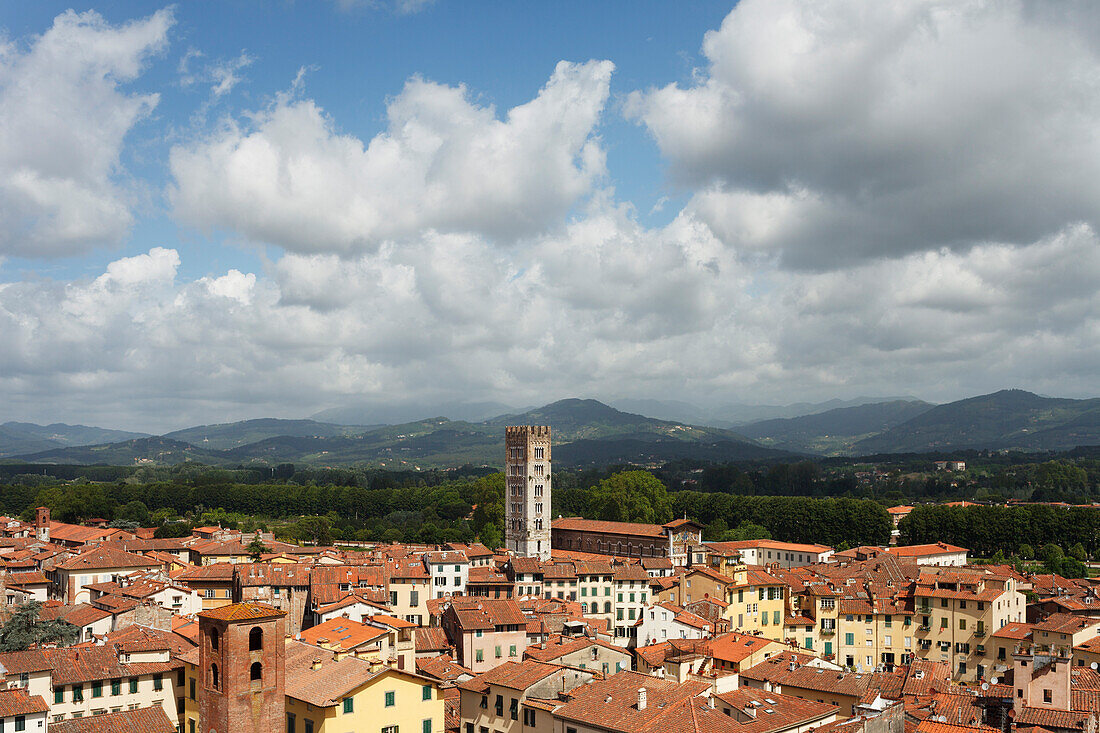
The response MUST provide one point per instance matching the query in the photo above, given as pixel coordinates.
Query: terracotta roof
(938, 548)
(142, 720)
(341, 633)
(558, 646)
(16, 701)
(486, 613)
(612, 704)
(103, 558)
(1048, 718)
(431, 639)
(513, 675)
(734, 647)
(806, 677)
(579, 524)
(773, 711)
(442, 668)
(243, 612)
(325, 686)
(218, 571)
(79, 664)
(1065, 623)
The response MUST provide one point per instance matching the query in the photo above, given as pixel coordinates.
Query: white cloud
(65, 116)
(836, 132)
(290, 178)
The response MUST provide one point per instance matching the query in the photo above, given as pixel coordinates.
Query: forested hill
(235, 434)
(1006, 419)
(834, 432)
(601, 435)
(24, 437)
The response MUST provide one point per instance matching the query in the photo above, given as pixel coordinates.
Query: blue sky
(215, 211)
(355, 57)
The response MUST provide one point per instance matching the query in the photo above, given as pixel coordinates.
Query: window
(498, 705)
(528, 717)
(388, 729)
(426, 726)
(1047, 696)
(256, 672)
(58, 695)
(191, 726)
(214, 639)
(208, 593)
(190, 688)
(290, 723)
(389, 698)
(479, 655)
(962, 624)
(309, 726)
(497, 650)
(512, 650)
(214, 677)
(513, 709)
(158, 682)
(255, 639)
(426, 691)
(97, 688)
(116, 687)
(349, 705)
(20, 722)
(849, 639)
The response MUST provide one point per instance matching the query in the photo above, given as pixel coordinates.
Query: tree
(1027, 552)
(316, 530)
(256, 548)
(135, 512)
(631, 496)
(490, 536)
(1077, 551)
(747, 531)
(25, 629)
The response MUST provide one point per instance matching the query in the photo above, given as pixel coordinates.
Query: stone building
(527, 490)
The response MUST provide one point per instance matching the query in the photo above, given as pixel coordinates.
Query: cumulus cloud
(65, 115)
(287, 176)
(831, 133)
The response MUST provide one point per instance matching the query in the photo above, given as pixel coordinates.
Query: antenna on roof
(1093, 665)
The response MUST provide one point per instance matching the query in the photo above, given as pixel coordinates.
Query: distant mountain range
(834, 432)
(600, 434)
(25, 437)
(1011, 418)
(586, 433)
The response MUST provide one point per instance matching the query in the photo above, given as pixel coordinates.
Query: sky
(219, 211)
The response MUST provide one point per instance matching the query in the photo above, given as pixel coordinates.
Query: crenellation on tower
(527, 490)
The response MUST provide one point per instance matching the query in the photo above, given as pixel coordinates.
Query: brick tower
(527, 490)
(242, 658)
(42, 524)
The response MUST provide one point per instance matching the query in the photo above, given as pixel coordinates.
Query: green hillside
(833, 432)
(1006, 419)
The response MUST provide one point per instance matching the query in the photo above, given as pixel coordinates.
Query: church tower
(527, 490)
(242, 661)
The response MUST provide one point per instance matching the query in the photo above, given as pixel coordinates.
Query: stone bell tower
(242, 660)
(527, 490)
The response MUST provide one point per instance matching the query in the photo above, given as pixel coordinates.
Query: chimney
(710, 700)
(316, 664)
(641, 698)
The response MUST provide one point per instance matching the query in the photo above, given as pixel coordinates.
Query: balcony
(924, 627)
(979, 632)
(828, 631)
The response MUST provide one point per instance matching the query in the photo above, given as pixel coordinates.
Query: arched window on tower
(255, 639)
(214, 681)
(256, 674)
(214, 639)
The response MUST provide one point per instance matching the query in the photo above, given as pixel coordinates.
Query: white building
(940, 553)
(664, 621)
(449, 571)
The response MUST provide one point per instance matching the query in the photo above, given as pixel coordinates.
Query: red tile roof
(243, 612)
(579, 524)
(143, 720)
(16, 701)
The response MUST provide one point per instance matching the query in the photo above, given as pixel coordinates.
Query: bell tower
(242, 659)
(527, 490)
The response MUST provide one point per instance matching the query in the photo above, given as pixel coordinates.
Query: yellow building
(757, 603)
(332, 693)
(326, 694)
